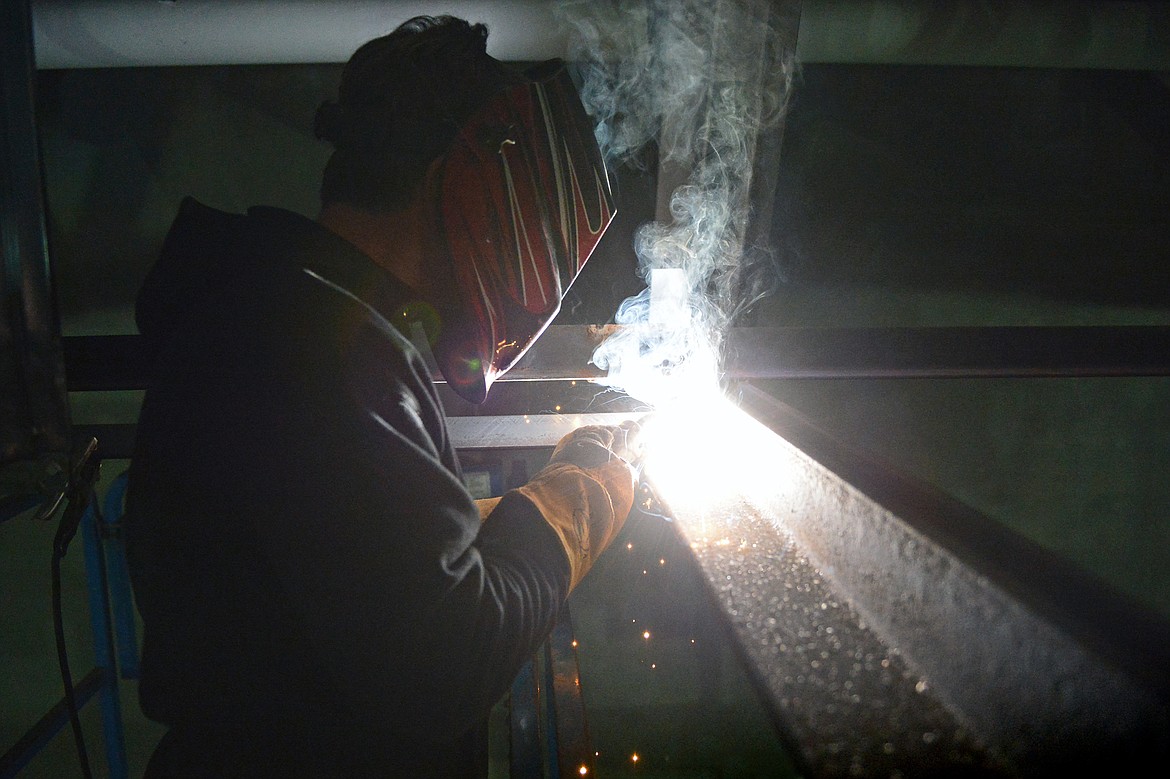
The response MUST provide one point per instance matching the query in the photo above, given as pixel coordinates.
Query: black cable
(80, 497)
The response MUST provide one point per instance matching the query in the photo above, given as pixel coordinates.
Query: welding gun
(595, 445)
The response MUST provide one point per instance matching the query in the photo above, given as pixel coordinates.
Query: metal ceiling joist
(133, 33)
(563, 353)
(1040, 33)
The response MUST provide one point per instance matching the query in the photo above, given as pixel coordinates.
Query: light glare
(708, 451)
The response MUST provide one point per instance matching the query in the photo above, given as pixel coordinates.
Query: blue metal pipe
(103, 647)
(118, 581)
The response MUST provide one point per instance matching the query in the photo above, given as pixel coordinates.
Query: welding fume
(702, 84)
(320, 594)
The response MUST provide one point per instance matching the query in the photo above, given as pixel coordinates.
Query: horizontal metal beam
(948, 352)
(1040, 33)
(564, 353)
(468, 433)
(95, 363)
(555, 377)
(525, 431)
(132, 33)
(892, 629)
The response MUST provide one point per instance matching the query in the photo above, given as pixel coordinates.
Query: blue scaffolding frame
(115, 644)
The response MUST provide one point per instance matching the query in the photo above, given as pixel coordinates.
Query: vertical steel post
(36, 424)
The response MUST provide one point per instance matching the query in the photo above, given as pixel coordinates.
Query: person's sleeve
(424, 613)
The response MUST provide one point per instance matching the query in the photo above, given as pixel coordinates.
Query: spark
(634, 758)
(646, 635)
(583, 770)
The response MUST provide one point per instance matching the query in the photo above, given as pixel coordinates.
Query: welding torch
(646, 500)
(596, 444)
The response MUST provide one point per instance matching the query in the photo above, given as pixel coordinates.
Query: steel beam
(563, 353)
(948, 352)
(468, 433)
(893, 631)
(34, 411)
(1040, 33)
(130, 33)
(555, 380)
(523, 431)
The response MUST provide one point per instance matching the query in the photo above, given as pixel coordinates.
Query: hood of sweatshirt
(208, 253)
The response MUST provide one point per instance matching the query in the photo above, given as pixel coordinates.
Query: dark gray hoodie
(318, 594)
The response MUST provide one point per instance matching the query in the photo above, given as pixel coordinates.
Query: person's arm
(586, 491)
(425, 613)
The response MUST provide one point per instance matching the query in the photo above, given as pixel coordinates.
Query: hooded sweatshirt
(317, 591)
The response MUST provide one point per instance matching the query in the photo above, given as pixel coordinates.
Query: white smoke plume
(701, 80)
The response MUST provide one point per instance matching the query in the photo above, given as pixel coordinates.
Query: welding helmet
(524, 198)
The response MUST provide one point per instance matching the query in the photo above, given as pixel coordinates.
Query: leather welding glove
(486, 506)
(594, 445)
(586, 491)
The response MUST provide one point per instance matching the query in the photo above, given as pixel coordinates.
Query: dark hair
(401, 100)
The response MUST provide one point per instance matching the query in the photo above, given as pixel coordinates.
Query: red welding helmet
(525, 198)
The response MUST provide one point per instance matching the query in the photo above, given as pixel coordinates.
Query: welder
(320, 594)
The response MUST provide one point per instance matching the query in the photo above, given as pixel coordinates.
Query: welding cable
(81, 496)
